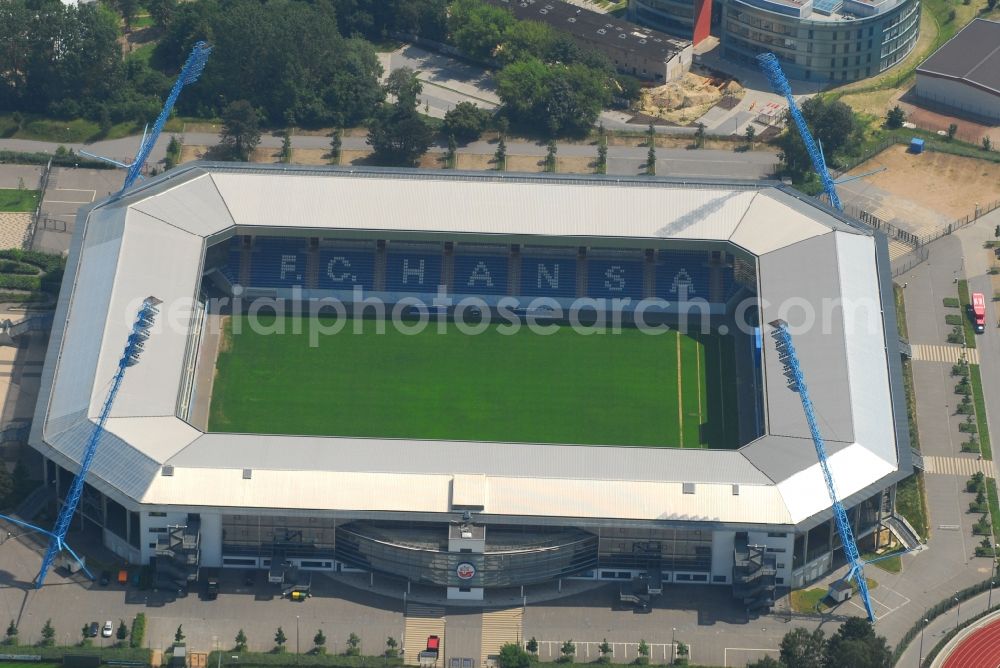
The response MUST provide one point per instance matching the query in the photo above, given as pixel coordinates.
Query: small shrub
(970, 446)
(138, 630)
(952, 319)
(967, 428)
(965, 409)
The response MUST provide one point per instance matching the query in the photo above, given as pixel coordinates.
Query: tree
(766, 662)
(987, 144)
(128, 9)
(682, 654)
(855, 644)
(952, 130)
(286, 148)
(531, 645)
(558, 99)
(651, 160)
(241, 641)
(85, 632)
(523, 39)
(478, 28)
(894, 119)
(450, 156)
(122, 633)
(336, 143)
(179, 633)
(404, 85)
(319, 642)
(162, 12)
(353, 645)
(803, 649)
(602, 155)
(832, 123)
(500, 157)
(11, 635)
(240, 130)
(391, 647)
(750, 134)
(173, 153)
(48, 634)
(568, 651)
(699, 136)
(643, 653)
(550, 157)
(280, 639)
(398, 137)
(465, 121)
(605, 649)
(513, 656)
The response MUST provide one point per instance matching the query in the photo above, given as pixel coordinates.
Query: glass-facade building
(822, 41)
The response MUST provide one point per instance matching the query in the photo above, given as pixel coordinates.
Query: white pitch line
(62, 201)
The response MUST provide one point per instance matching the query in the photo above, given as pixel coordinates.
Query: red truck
(978, 312)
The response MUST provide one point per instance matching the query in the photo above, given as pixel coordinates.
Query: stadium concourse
(477, 382)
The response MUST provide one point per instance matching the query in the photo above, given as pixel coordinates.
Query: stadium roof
(971, 56)
(152, 242)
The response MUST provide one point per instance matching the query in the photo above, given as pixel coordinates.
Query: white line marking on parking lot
(725, 652)
(62, 201)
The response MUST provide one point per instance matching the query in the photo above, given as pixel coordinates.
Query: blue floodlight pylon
(790, 359)
(193, 67)
(133, 349)
(772, 69)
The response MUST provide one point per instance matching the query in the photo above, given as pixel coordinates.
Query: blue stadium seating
(278, 262)
(548, 276)
(479, 273)
(412, 272)
(676, 269)
(343, 269)
(608, 278)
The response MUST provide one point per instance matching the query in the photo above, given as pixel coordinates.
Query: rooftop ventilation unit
(167, 470)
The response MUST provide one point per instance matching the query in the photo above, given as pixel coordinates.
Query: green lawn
(602, 389)
(977, 395)
(963, 296)
(13, 199)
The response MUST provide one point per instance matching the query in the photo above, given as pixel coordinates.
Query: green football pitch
(627, 388)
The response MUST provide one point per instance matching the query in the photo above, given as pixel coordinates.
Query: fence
(904, 263)
(981, 210)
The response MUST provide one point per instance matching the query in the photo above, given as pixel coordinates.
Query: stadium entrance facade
(263, 432)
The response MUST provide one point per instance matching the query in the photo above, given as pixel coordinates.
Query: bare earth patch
(475, 161)
(310, 156)
(948, 184)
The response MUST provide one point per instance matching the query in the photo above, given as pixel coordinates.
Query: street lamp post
(673, 645)
(958, 612)
(989, 599)
(920, 660)
(296, 638)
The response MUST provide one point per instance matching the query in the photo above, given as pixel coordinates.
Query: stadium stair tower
(178, 554)
(514, 270)
(754, 575)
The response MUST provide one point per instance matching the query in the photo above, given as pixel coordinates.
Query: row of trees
(351, 648)
(854, 644)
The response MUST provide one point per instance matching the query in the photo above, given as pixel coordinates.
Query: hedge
(106, 653)
(138, 631)
(45, 261)
(936, 611)
(68, 160)
(15, 267)
(19, 282)
(23, 297)
(283, 659)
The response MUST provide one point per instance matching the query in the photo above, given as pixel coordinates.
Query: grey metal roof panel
(504, 459)
(973, 55)
(798, 283)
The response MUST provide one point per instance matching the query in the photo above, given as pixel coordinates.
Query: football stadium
(474, 382)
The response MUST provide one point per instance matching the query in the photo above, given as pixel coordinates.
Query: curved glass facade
(513, 557)
(861, 38)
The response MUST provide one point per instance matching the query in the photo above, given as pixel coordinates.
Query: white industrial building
(964, 74)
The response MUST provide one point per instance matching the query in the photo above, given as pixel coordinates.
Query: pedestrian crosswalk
(922, 352)
(960, 466)
(499, 628)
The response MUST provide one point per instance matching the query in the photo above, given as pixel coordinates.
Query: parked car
(108, 630)
(92, 629)
(105, 578)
